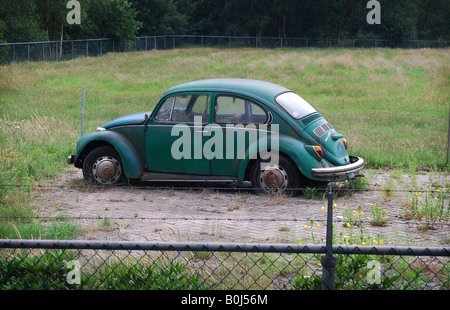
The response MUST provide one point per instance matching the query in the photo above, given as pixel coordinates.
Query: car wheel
(275, 178)
(103, 166)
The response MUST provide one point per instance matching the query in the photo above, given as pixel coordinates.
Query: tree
(110, 19)
(398, 20)
(433, 19)
(21, 21)
(159, 17)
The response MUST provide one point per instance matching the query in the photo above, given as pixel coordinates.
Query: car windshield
(295, 105)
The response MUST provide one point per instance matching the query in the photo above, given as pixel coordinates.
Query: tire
(280, 178)
(103, 166)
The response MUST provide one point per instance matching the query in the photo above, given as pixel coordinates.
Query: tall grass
(391, 104)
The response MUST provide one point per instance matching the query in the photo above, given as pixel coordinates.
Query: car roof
(262, 89)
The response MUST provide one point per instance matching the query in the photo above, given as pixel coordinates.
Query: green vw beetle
(225, 130)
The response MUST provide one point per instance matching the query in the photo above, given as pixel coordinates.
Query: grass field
(391, 104)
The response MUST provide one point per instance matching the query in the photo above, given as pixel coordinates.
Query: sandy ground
(206, 214)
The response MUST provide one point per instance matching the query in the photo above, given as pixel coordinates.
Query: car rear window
(295, 105)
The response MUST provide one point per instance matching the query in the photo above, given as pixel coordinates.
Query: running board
(172, 177)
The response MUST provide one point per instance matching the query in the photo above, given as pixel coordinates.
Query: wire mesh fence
(44, 264)
(70, 49)
(216, 246)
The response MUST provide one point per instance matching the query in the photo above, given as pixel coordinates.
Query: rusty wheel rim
(273, 178)
(106, 170)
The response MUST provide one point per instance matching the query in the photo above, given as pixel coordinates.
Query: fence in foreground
(70, 49)
(48, 264)
(74, 265)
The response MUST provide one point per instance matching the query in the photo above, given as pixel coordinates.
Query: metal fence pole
(82, 115)
(328, 260)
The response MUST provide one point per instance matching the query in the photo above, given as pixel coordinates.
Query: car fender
(291, 147)
(132, 163)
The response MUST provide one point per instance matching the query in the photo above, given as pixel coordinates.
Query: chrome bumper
(356, 164)
(71, 159)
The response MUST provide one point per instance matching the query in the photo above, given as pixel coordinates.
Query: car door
(239, 119)
(174, 135)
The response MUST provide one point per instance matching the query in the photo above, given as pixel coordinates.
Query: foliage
(110, 19)
(31, 20)
(50, 270)
(168, 276)
(352, 273)
(428, 207)
(39, 272)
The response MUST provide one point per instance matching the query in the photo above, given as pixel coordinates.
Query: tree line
(42, 20)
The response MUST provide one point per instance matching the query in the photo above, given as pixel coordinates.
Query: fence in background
(70, 49)
(75, 264)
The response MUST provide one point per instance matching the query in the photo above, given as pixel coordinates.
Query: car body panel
(132, 161)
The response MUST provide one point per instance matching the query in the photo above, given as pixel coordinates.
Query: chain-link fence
(70, 49)
(44, 264)
(330, 262)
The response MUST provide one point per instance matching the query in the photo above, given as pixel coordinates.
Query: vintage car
(224, 130)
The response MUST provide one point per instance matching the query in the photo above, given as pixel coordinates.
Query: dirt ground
(225, 214)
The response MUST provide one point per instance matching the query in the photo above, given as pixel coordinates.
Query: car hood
(131, 119)
(322, 133)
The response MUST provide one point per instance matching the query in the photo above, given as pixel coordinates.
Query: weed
(309, 192)
(378, 215)
(428, 206)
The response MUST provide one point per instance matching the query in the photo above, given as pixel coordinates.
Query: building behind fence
(70, 49)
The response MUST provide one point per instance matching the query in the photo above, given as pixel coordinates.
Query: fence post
(328, 260)
(82, 114)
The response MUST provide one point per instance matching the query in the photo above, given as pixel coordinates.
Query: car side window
(236, 110)
(165, 111)
(183, 108)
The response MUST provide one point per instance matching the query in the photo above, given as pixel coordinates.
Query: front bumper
(356, 164)
(71, 159)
